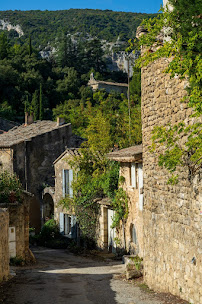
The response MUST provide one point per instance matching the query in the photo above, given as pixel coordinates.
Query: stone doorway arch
(48, 204)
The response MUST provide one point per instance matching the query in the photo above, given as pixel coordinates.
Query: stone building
(63, 179)
(65, 217)
(108, 86)
(172, 213)
(29, 150)
(4, 248)
(130, 160)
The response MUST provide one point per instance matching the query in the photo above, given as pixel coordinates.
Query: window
(133, 175)
(133, 234)
(67, 181)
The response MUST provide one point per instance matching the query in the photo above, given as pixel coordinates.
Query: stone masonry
(172, 214)
(4, 249)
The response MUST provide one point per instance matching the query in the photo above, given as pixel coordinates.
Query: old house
(130, 160)
(29, 150)
(65, 217)
(172, 213)
(107, 86)
(63, 178)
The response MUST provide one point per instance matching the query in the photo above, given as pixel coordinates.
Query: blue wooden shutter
(70, 183)
(62, 222)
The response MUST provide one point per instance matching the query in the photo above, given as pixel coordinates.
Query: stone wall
(172, 214)
(4, 249)
(134, 220)
(33, 164)
(6, 156)
(19, 218)
(102, 227)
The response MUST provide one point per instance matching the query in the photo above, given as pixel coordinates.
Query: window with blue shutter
(67, 182)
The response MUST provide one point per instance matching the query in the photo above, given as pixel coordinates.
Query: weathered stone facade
(102, 224)
(64, 217)
(130, 160)
(4, 249)
(19, 225)
(134, 222)
(29, 151)
(172, 214)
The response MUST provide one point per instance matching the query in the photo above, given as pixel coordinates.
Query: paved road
(60, 277)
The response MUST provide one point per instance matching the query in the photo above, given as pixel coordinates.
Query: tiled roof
(113, 83)
(69, 151)
(23, 133)
(127, 155)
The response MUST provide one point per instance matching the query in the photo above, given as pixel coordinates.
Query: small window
(67, 182)
(133, 234)
(133, 175)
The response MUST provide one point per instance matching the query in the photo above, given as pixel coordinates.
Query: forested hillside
(58, 86)
(45, 26)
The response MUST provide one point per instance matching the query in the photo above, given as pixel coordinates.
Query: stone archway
(48, 204)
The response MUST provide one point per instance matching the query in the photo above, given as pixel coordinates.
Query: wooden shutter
(133, 175)
(62, 222)
(140, 175)
(70, 183)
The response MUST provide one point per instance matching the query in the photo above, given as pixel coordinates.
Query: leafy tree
(41, 104)
(35, 105)
(10, 188)
(4, 46)
(30, 46)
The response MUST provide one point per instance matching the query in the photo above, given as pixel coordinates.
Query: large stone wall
(172, 218)
(4, 249)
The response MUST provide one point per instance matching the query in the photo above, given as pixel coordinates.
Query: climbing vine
(177, 34)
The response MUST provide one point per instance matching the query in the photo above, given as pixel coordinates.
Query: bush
(50, 230)
(50, 237)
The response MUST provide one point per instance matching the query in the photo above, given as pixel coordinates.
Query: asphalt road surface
(60, 277)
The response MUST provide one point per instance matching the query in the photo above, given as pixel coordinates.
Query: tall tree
(30, 46)
(4, 46)
(41, 106)
(35, 105)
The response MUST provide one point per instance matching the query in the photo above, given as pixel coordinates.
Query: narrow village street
(60, 277)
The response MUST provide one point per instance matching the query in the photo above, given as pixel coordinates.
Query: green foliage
(10, 188)
(189, 155)
(44, 26)
(137, 261)
(182, 25)
(114, 109)
(96, 177)
(50, 236)
(50, 230)
(17, 261)
(41, 105)
(120, 205)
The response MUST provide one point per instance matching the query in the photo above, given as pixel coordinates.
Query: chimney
(60, 121)
(29, 119)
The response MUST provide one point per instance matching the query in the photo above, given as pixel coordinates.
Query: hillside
(45, 26)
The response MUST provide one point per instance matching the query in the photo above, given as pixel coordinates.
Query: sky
(138, 6)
